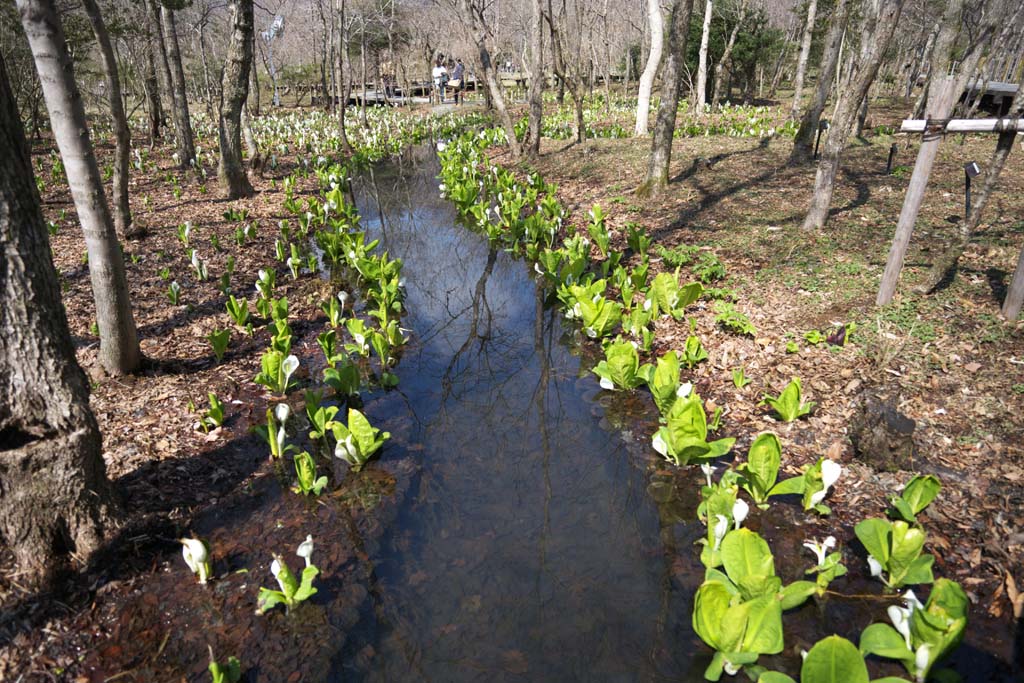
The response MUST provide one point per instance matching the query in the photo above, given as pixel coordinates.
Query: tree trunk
(159, 51)
(801, 63)
(726, 54)
(947, 261)
(846, 112)
(182, 121)
(643, 102)
(536, 96)
(665, 125)
(119, 343)
(253, 149)
(346, 87)
(55, 498)
(119, 124)
(1015, 294)
(234, 91)
(803, 143)
(700, 94)
(154, 106)
(254, 79)
(477, 32)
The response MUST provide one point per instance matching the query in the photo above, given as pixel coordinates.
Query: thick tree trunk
(119, 343)
(700, 94)
(182, 121)
(846, 112)
(665, 125)
(234, 92)
(801, 62)
(947, 261)
(55, 499)
(643, 101)
(1015, 294)
(119, 124)
(726, 54)
(253, 149)
(803, 143)
(536, 96)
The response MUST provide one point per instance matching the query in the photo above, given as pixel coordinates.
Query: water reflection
(530, 548)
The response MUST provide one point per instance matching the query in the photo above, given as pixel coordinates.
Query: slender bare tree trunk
(477, 31)
(947, 261)
(55, 499)
(536, 96)
(154, 106)
(726, 54)
(119, 124)
(665, 125)
(643, 99)
(801, 63)
(182, 121)
(234, 92)
(803, 143)
(159, 51)
(119, 343)
(346, 88)
(846, 112)
(1015, 293)
(700, 94)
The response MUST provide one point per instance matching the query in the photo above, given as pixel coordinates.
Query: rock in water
(882, 436)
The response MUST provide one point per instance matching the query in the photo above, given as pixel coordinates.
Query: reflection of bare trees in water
(479, 309)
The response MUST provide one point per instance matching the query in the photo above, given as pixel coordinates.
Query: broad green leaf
(793, 485)
(306, 589)
(920, 570)
(664, 382)
(834, 660)
(746, 554)
(874, 534)
(762, 466)
(764, 627)
(774, 677)
(709, 608)
(796, 593)
(907, 543)
(921, 491)
(883, 640)
(268, 599)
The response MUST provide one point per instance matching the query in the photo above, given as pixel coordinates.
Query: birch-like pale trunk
(700, 94)
(119, 342)
(803, 143)
(646, 85)
(119, 123)
(801, 62)
(726, 54)
(536, 95)
(665, 125)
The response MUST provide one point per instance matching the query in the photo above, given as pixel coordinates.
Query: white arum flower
(821, 549)
(911, 600)
(720, 530)
(289, 366)
(609, 386)
(305, 550)
(196, 557)
(875, 566)
(659, 444)
(730, 668)
(281, 412)
(900, 618)
(591, 332)
(275, 569)
(647, 304)
(921, 659)
(441, 146)
(346, 450)
(830, 472)
(708, 469)
(536, 267)
(684, 389)
(740, 510)
(342, 297)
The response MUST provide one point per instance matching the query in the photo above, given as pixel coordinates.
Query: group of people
(451, 75)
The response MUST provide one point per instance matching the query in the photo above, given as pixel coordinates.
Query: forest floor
(948, 362)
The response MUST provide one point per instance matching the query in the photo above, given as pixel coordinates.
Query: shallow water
(529, 547)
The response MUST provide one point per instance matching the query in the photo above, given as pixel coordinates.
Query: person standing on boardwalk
(457, 83)
(440, 75)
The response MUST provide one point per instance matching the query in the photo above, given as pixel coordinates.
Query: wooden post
(915, 195)
(1015, 295)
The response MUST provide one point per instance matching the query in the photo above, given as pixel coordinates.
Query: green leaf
(763, 633)
(709, 608)
(920, 571)
(664, 382)
(834, 660)
(793, 485)
(305, 589)
(745, 554)
(907, 543)
(874, 534)
(774, 677)
(796, 593)
(882, 640)
(268, 600)
(762, 466)
(920, 492)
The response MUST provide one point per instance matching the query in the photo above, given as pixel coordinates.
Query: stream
(529, 547)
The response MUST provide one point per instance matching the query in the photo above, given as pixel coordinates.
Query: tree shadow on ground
(159, 497)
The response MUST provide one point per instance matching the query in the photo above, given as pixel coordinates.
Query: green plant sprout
(728, 317)
(739, 378)
(818, 479)
(358, 440)
(759, 475)
(238, 310)
(219, 340)
(789, 404)
(621, 369)
(276, 370)
(916, 496)
(895, 554)
(197, 556)
(305, 475)
(174, 293)
(294, 590)
(214, 415)
(225, 673)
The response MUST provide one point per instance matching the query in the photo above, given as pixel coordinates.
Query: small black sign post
(971, 170)
(822, 127)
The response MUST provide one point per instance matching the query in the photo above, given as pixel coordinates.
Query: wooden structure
(933, 131)
(996, 96)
